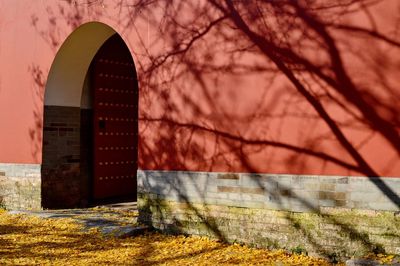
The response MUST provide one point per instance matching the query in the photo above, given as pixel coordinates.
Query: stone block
(326, 203)
(252, 190)
(273, 180)
(341, 187)
(213, 201)
(216, 195)
(385, 206)
(392, 183)
(342, 180)
(283, 181)
(251, 204)
(228, 202)
(228, 189)
(364, 196)
(251, 180)
(295, 207)
(229, 176)
(227, 182)
(361, 262)
(341, 203)
(329, 195)
(361, 184)
(311, 186)
(305, 194)
(200, 181)
(297, 182)
(358, 204)
(327, 187)
(303, 203)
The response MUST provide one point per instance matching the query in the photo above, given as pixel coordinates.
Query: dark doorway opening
(114, 127)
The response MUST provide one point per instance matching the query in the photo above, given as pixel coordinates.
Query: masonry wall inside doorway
(90, 143)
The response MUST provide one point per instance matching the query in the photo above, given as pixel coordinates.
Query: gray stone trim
(20, 170)
(298, 193)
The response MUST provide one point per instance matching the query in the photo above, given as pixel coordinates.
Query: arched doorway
(90, 121)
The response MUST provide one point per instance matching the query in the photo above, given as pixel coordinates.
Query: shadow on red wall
(272, 87)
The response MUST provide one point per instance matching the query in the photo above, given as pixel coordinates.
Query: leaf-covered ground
(29, 240)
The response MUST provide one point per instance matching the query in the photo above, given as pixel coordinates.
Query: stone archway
(68, 146)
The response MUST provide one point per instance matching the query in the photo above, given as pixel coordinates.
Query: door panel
(115, 102)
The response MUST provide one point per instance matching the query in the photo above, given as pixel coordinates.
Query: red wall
(224, 104)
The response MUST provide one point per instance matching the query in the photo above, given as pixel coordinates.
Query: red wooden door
(115, 112)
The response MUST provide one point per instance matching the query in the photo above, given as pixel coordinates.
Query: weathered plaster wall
(219, 109)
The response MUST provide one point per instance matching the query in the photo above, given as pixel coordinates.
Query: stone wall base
(332, 233)
(20, 186)
(313, 214)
